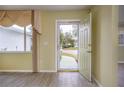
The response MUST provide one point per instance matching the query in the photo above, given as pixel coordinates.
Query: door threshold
(68, 70)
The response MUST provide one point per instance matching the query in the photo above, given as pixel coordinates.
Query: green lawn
(71, 48)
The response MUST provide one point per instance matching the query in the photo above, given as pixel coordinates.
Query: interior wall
(46, 44)
(47, 39)
(105, 45)
(16, 61)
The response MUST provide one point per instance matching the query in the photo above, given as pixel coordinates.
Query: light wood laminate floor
(59, 79)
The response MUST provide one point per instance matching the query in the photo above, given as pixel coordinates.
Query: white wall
(11, 39)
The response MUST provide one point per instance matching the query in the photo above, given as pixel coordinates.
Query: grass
(71, 48)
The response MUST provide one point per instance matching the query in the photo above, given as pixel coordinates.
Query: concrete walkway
(75, 52)
(68, 63)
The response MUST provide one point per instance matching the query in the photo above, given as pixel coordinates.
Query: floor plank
(121, 74)
(59, 79)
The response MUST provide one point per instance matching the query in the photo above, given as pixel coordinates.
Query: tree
(61, 38)
(75, 30)
(67, 40)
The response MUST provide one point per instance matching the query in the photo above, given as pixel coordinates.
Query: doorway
(121, 47)
(81, 46)
(67, 45)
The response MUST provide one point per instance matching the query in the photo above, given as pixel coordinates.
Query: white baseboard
(48, 71)
(15, 70)
(120, 61)
(97, 82)
(27, 71)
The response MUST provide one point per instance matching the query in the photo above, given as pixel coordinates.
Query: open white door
(85, 47)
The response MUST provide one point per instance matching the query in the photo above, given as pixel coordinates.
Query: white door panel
(85, 47)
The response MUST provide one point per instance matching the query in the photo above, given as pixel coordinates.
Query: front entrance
(73, 46)
(68, 45)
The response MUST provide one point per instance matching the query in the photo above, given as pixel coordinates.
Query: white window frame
(24, 46)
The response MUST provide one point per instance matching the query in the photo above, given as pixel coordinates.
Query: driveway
(68, 63)
(75, 52)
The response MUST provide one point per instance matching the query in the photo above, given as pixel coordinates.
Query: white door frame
(56, 36)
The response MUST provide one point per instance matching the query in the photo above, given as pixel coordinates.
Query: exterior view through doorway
(67, 45)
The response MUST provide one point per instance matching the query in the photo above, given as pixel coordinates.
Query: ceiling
(44, 7)
(59, 8)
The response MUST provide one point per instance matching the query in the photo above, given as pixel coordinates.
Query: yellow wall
(48, 18)
(15, 61)
(46, 58)
(105, 44)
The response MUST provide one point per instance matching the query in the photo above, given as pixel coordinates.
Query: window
(29, 38)
(16, 38)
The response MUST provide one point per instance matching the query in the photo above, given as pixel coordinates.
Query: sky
(22, 28)
(66, 28)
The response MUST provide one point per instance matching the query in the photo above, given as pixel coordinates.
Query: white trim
(16, 71)
(56, 35)
(97, 82)
(27, 71)
(120, 61)
(15, 52)
(90, 41)
(56, 64)
(48, 71)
